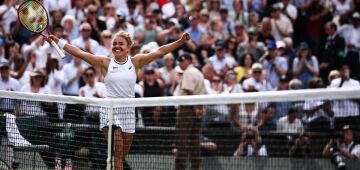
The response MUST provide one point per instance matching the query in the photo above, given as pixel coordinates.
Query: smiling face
(120, 47)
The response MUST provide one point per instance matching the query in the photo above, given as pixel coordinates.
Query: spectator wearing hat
(254, 47)
(333, 53)
(348, 148)
(257, 80)
(121, 23)
(188, 120)
(7, 83)
(305, 65)
(68, 22)
(281, 25)
(334, 74)
(274, 65)
(85, 41)
(220, 60)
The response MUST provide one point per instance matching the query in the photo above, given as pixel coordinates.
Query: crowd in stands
(239, 45)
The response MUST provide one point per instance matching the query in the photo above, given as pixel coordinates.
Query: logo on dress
(115, 68)
(130, 67)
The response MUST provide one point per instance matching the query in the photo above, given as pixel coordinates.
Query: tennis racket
(33, 16)
(4, 166)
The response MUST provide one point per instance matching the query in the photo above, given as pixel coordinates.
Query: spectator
(204, 19)
(290, 123)
(105, 44)
(243, 71)
(55, 75)
(230, 47)
(239, 14)
(269, 121)
(97, 25)
(230, 83)
(72, 77)
(274, 65)
(281, 25)
(290, 53)
(342, 8)
(134, 17)
(227, 24)
(315, 20)
(257, 79)
(85, 41)
(204, 50)
(345, 110)
(6, 82)
(295, 84)
(77, 11)
(121, 23)
(168, 74)
(209, 72)
(348, 148)
(251, 144)
(92, 88)
(302, 147)
(290, 10)
(68, 22)
(222, 62)
(254, 47)
(153, 87)
(8, 15)
(240, 33)
(265, 35)
(305, 65)
(52, 6)
(195, 32)
(334, 51)
(318, 113)
(334, 74)
(246, 115)
(148, 32)
(108, 15)
(214, 8)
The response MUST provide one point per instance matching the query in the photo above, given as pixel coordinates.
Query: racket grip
(58, 50)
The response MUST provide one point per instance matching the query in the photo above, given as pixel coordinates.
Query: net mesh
(33, 16)
(269, 130)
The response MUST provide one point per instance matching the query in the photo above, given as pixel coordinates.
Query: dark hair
(90, 68)
(333, 26)
(292, 110)
(242, 59)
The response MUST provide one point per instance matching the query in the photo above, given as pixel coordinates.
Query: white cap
(280, 44)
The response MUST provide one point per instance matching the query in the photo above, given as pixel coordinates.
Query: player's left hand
(185, 37)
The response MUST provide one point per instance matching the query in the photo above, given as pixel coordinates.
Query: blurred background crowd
(239, 45)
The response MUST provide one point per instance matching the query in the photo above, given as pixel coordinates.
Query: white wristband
(61, 43)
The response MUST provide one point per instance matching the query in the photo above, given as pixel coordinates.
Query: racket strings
(33, 16)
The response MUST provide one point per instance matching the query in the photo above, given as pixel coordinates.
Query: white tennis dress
(120, 82)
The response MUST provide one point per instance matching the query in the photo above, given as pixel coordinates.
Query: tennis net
(267, 130)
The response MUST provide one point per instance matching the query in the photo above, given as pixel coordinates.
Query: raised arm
(94, 60)
(140, 60)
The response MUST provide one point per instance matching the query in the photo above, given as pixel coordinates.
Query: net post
(110, 137)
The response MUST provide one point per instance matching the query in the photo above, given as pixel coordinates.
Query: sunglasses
(257, 72)
(89, 75)
(107, 36)
(215, 81)
(86, 30)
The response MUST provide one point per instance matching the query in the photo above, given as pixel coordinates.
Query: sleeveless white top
(120, 79)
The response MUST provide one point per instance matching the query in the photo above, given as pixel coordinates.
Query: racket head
(33, 16)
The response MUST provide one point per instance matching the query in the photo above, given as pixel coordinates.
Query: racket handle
(58, 50)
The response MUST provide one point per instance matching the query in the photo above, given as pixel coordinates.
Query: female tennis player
(120, 79)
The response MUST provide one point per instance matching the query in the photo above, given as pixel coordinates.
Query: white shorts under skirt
(124, 118)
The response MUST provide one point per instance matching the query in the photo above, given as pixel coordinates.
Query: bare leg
(118, 144)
